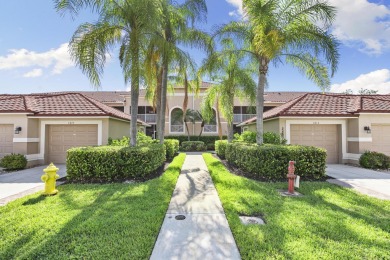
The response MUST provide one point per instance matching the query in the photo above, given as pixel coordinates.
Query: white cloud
(33, 74)
(363, 25)
(237, 4)
(377, 80)
(59, 59)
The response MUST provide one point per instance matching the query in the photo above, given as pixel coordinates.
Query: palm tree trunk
(230, 132)
(263, 69)
(158, 102)
(185, 104)
(164, 87)
(134, 91)
(219, 121)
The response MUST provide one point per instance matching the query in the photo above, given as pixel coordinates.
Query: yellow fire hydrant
(49, 178)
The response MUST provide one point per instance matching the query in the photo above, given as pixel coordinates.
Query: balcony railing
(210, 128)
(177, 129)
(238, 118)
(148, 118)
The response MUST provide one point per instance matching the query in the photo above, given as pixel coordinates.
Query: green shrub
(220, 148)
(13, 162)
(209, 140)
(193, 146)
(271, 161)
(268, 138)
(110, 163)
(374, 160)
(171, 148)
(142, 139)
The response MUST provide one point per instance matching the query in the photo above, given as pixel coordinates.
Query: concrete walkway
(18, 184)
(204, 233)
(369, 182)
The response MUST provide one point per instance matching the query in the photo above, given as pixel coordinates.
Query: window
(176, 121)
(211, 126)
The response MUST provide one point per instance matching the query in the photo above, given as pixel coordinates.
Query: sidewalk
(204, 233)
(18, 184)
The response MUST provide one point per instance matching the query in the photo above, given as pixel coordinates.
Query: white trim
(26, 140)
(359, 139)
(34, 157)
(99, 123)
(169, 120)
(314, 117)
(73, 117)
(363, 113)
(351, 156)
(318, 121)
(21, 113)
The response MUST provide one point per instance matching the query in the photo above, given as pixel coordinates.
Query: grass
(89, 221)
(328, 222)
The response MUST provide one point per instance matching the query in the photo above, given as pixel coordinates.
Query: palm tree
(176, 31)
(292, 31)
(233, 79)
(127, 23)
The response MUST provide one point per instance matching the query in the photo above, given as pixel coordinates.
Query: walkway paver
(18, 184)
(369, 182)
(204, 233)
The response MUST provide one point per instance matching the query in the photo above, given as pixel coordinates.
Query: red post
(291, 177)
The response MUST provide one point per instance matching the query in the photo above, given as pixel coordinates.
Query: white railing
(210, 128)
(177, 128)
(238, 118)
(148, 118)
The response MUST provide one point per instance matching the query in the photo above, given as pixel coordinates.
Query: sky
(34, 56)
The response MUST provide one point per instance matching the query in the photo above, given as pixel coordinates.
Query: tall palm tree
(292, 31)
(176, 31)
(233, 79)
(127, 23)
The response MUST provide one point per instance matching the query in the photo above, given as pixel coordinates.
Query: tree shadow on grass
(96, 222)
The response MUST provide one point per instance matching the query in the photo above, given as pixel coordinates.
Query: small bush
(111, 163)
(193, 146)
(209, 140)
(13, 162)
(268, 138)
(270, 162)
(142, 139)
(374, 160)
(171, 148)
(220, 148)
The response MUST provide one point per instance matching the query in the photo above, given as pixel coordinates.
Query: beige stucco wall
(118, 128)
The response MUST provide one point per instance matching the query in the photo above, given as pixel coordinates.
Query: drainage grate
(180, 217)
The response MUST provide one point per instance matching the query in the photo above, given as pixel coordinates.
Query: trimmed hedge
(171, 148)
(13, 162)
(220, 148)
(208, 140)
(111, 163)
(193, 146)
(270, 162)
(268, 138)
(374, 160)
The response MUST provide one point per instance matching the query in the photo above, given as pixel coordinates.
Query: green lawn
(329, 222)
(110, 221)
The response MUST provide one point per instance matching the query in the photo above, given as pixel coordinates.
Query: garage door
(63, 137)
(381, 138)
(324, 136)
(6, 139)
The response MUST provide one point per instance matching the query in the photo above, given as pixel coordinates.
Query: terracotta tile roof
(64, 104)
(282, 97)
(102, 96)
(328, 105)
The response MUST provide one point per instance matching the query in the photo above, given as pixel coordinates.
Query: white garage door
(63, 137)
(324, 136)
(6, 139)
(381, 138)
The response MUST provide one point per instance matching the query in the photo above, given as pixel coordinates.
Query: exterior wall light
(18, 129)
(367, 129)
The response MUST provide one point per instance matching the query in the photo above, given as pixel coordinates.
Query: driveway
(21, 183)
(369, 182)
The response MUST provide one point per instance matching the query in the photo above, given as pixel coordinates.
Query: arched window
(176, 121)
(211, 126)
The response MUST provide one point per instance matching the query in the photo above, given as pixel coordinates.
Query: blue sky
(34, 58)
